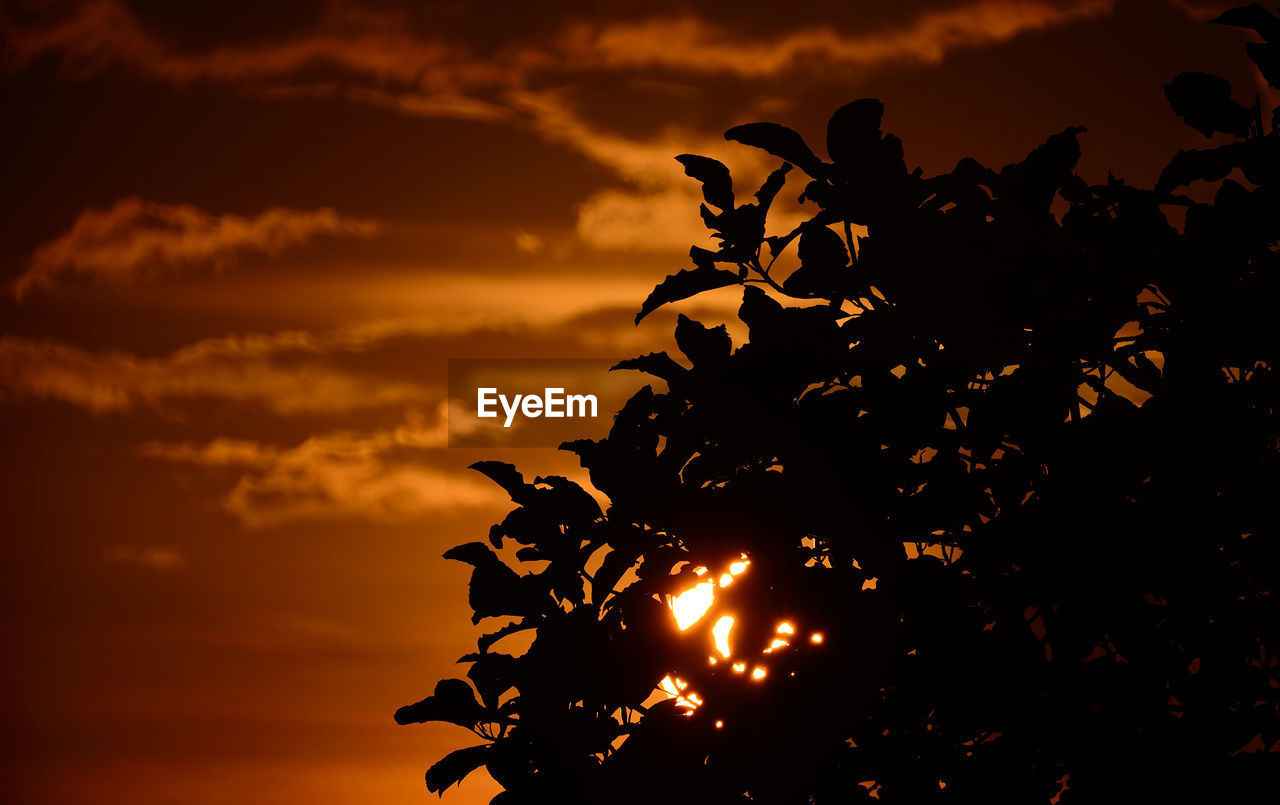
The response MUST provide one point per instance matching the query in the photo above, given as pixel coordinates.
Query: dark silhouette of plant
(1013, 458)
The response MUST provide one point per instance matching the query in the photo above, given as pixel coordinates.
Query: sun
(689, 607)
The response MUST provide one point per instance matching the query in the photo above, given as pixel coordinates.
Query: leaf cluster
(1011, 450)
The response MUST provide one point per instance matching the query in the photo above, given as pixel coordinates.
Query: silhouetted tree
(1014, 456)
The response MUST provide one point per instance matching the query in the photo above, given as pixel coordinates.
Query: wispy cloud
(375, 58)
(290, 372)
(376, 50)
(657, 210)
(135, 240)
(658, 220)
(654, 213)
(228, 369)
(380, 61)
(376, 475)
(160, 558)
(221, 452)
(690, 43)
(648, 161)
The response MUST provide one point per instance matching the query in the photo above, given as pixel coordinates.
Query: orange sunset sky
(240, 241)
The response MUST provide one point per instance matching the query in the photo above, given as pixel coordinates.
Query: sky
(242, 240)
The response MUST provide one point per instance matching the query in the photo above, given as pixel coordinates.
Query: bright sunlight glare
(675, 688)
(688, 608)
(690, 605)
(721, 634)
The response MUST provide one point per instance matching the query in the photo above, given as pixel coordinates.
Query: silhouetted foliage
(1013, 455)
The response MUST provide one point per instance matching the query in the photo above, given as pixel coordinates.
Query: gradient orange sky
(240, 242)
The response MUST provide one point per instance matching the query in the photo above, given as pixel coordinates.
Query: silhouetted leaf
(475, 554)
(574, 506)
(453, 702)
(504, 475)
(757, 307)
(853, 133)
(1252, 16)
(823, 257)
(484, 642)
(615, 564)
(705, 258)
(777, 243)
(1189, 166)
(580, 447)
(456, 765)
(658, 364)
(717, 185)
(702, 345)
(685, 284)
(493, 675)
(771, 186)
(495, 589)
(1204, 101)
(1266, 55)
(1035, 181)
(780, 141)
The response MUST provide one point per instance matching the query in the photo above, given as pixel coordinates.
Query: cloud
(221, 452)
(691, 44)
(648, 162)
(658, 211)
(373, 476)
(238, 369)
(161, 558)
(442, 104)
(293, 372)
(382, 62)
(663, 220)
(374, 58)
(529, 243)
(379, 50)
(135, 240)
